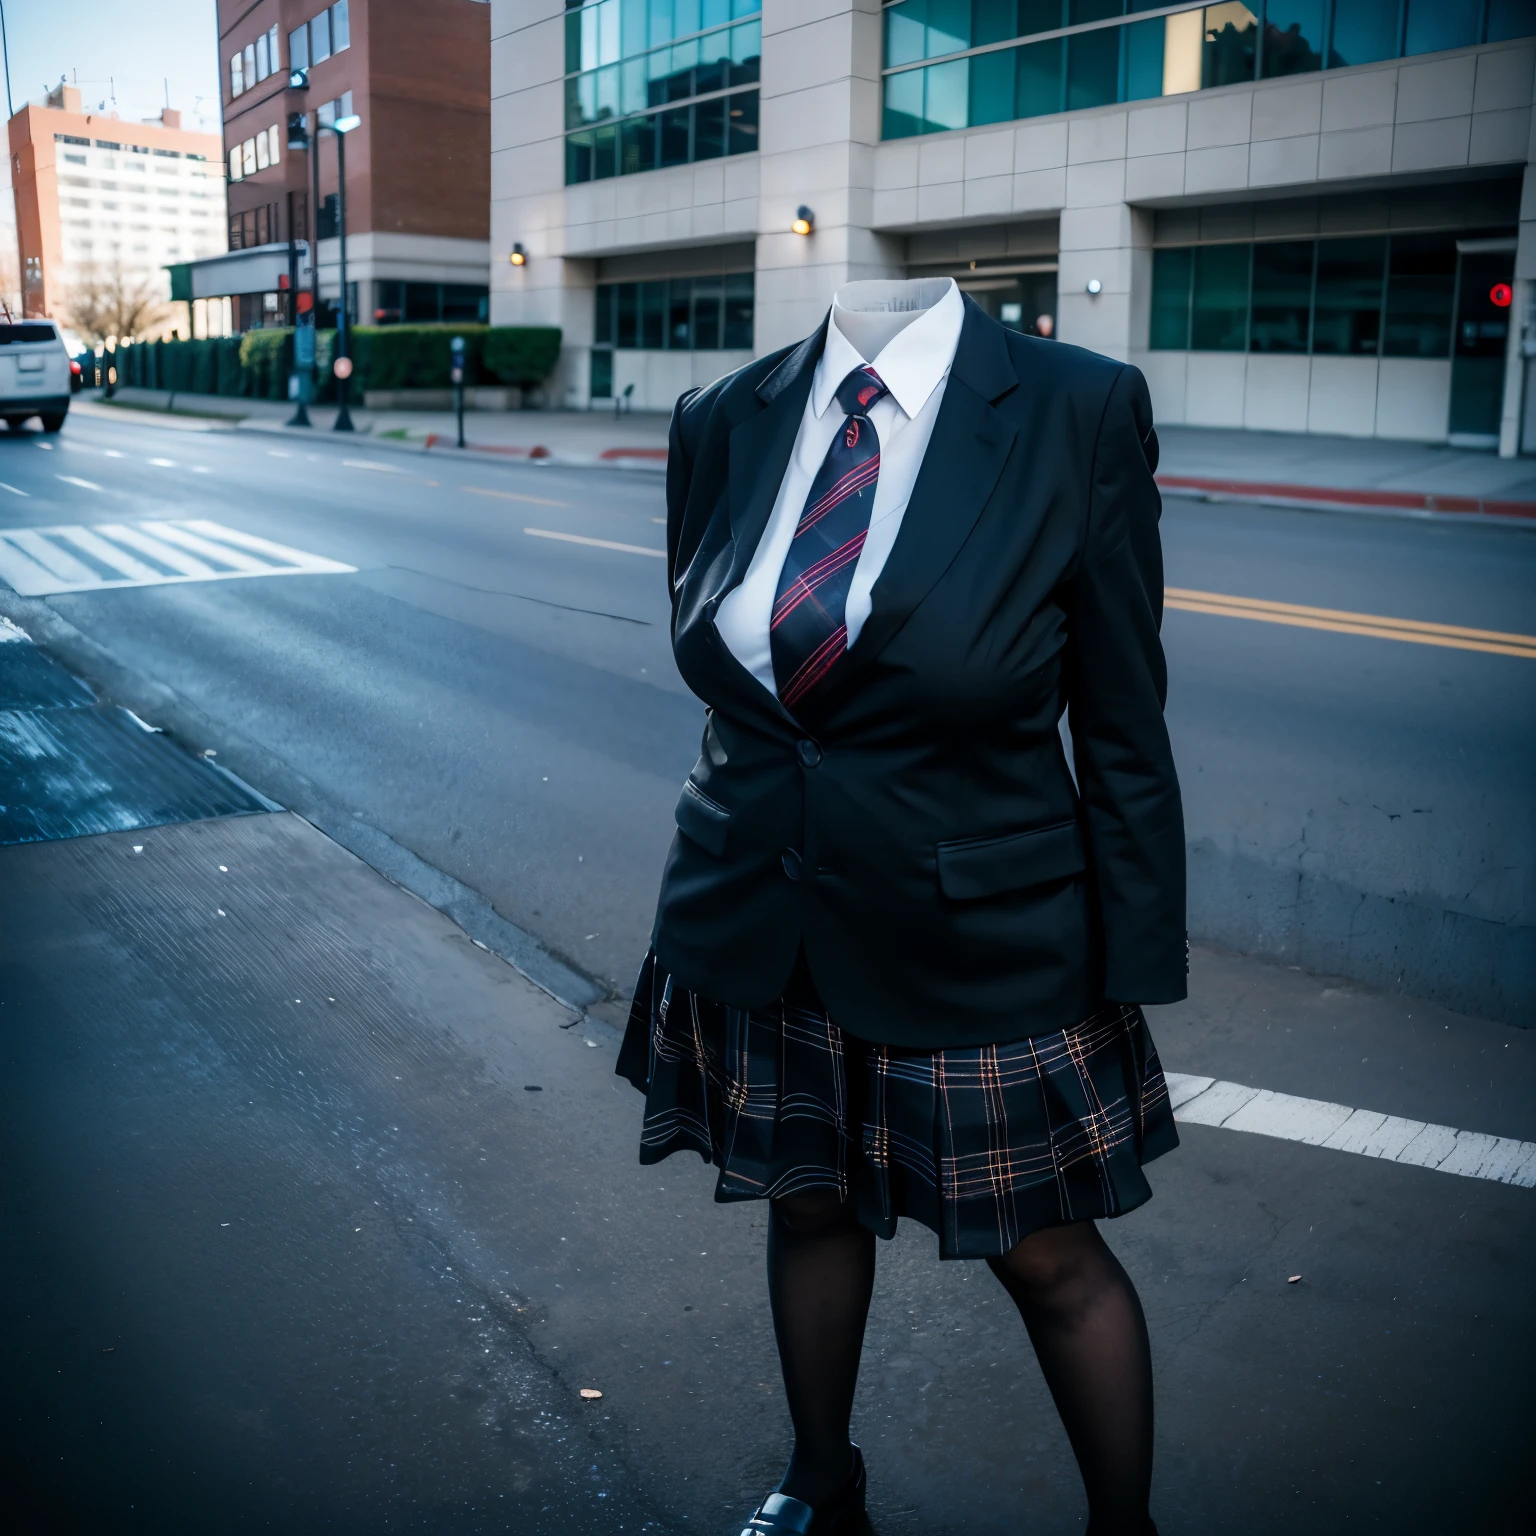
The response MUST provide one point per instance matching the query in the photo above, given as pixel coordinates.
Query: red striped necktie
(808, 630)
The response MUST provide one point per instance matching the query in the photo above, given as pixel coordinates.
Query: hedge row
(256, 365)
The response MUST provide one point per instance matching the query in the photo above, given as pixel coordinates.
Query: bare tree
(107, 301)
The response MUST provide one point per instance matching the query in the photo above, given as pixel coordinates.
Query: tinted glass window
(1220, 318)
(1282, 296)
(1437, 24)
(1363, 31)
(1347, 312)
(1171, 273)
(27, 331)
(1421, 293)
(1293, 37)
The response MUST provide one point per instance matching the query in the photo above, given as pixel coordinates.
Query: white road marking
(577, 538)
(46, 447)
(164, 463)
(111, 453)
(201, 469)
(85, 485)
(383, 469)
(13, 489)
(40, 561)
(1236, 1107)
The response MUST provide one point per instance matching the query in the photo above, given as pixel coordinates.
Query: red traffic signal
(1502, 295)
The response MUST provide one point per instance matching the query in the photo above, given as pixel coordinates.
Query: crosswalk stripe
(179, 563)
(39, 561)
(1366, 1132)
(224, 553)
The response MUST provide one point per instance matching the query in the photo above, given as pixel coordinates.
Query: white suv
(34, 374)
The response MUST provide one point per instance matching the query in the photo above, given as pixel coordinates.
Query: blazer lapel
(970, 444)
(760, 450)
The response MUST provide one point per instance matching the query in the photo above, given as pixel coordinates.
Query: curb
(1347, 499)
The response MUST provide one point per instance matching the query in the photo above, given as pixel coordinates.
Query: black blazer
(917, 829)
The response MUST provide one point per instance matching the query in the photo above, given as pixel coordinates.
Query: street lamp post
(343, 364)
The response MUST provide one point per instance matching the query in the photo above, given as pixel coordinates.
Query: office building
(1297, 215)
(101, 202)
(417, 74)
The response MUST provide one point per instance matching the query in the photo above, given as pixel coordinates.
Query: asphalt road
(281, 1263)
(502, 703)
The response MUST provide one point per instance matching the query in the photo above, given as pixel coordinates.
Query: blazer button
(809, 753)
(790, 859)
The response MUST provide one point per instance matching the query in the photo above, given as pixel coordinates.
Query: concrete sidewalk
(1267, 468)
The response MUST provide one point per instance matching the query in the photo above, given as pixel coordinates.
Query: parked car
(77, 352)
(35, 374)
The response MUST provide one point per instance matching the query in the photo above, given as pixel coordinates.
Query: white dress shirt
(915, 366)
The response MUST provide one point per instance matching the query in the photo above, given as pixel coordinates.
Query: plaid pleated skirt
(984, 1144)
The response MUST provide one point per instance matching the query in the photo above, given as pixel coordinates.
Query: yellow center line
(538, 501)
(1341, 621)
(576, 538)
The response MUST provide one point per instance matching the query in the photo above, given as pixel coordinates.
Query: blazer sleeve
(679, 479)
(1117, 683)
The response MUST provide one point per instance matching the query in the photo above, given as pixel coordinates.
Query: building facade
(416, 73)
(102, 205)
(1297, 215)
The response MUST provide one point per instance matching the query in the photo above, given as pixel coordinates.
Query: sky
(126, 53)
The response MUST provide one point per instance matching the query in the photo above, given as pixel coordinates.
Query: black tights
(1078, 1304)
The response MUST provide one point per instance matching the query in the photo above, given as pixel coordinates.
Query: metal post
(300, 417)
(314, 250)
(456, 351)
(343, 329)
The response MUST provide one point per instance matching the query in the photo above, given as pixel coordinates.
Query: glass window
(1282, 296)
(236, 74)
(601, 385)
(638, 145)
(272, 48)
(1509, 18)
(679, 315)
(949, 27)
(946, 95)
(1093, 10)
(710, 127)
(1038, 83)
(905, 32)
(1144, 42)
(707, 295)
(263, 67)
(1421, 294)
(262, 159)
(627, 327)
(248, 156)
(1347, 310)
(738, 310)
(1363, 32)
(1219, 319)
(341, 27)
(746, 53)
(272, 150)
(653, 315)
(1172, 271)
(604, 152)
(1436, 24)
(992, 87)
(602, 323)
(578, 158)
(248, 55)
(298, 48)
(1093, 68)
(465, 301)
(674, 136)
(1293, 37)
(1040, 16)
(320, 37)
(743, 114)
(236, 164)
(903, 103)
(992, 21)
(1231, 41)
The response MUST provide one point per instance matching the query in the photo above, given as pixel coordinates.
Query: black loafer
(839, 1514)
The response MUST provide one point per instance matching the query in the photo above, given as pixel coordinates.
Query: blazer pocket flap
(704, 820)
(986, 866)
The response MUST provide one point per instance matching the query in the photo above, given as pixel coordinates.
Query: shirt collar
(912, 363)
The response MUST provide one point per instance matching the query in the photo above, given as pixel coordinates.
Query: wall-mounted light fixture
(519, 257)
(804, 221)
(1095, 286)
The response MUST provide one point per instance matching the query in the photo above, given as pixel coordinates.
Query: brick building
(417, 73)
